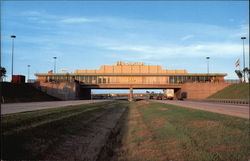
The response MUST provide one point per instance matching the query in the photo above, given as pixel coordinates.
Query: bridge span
(78, 85)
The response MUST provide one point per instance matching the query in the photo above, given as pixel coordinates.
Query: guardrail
(233, 101)
(232, 81)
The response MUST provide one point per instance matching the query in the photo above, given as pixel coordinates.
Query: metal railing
(223, 100)
(32, 80)
(232, 81)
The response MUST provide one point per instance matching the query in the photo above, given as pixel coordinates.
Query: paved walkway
(31, 106)
(229, 109)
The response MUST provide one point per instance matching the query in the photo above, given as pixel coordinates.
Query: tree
(247, 71)
(2, 72)
(239, 73)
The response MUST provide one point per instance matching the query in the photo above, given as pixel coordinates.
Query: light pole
(207, 64)
(12, 61)
(243, 38)
(55, 64)
(28, 73)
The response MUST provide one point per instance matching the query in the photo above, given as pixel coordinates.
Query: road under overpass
(85, 90)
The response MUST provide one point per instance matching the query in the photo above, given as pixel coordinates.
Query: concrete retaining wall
(62, 90)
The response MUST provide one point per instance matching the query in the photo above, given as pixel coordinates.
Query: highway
(240, 110)
(31, 106)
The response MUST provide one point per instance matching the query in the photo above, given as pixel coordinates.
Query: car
(159, 97)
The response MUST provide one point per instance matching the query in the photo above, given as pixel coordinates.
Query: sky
(88, 34)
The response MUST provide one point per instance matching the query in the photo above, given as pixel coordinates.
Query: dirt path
(138, 142)
(228, 109)
(89, 142)
(31, 106)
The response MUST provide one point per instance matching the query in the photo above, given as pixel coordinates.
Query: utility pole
(12, 55)
(28, 73)
(55, 64)
(207, 64)
(243, 38)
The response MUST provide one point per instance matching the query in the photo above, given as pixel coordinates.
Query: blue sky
(85, 34)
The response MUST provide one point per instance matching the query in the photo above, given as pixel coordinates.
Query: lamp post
(12, 55)
(243, 38)
(207, 64)
(55, 64)
(28, 73)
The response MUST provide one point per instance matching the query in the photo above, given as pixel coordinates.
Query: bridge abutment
(199, 90)
(66, 90)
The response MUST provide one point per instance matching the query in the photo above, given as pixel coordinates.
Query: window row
(131, 79)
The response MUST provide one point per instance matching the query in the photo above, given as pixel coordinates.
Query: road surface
(240, 110)
(31, 106)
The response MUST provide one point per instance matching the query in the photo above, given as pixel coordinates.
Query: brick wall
(200, 90)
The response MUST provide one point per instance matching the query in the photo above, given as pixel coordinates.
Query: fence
(232, 81)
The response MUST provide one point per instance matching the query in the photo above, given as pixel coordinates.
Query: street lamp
(28, 73)
(243, 38)
(12, 61)
(207, 64)
(55, 64)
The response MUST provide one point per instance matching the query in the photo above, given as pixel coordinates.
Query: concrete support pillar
(131, 97)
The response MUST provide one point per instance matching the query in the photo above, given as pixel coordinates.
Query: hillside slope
(14, 92)
(234, 91)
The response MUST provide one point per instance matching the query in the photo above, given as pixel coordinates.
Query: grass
(22, 92)
(164, 132)
(153, 131)
(30, 135)
(235, 91)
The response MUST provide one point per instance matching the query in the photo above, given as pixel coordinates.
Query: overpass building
(127, 76)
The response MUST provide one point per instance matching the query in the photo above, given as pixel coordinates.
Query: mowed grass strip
(30, 135)
(164, 132)
(12, 123)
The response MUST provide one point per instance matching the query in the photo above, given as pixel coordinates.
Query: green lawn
(157, 131)
(235, 91)
(152, 131)
(30, 135)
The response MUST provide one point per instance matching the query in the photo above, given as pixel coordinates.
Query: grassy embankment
(23, 92)
(164, 132)
(235, 91)
(30, 135)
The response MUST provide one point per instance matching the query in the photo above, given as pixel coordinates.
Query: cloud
(123, 37)
(31, 13)
(194, 50)
(76, 20)
(242, 31)
(187, 37)
(43, 17)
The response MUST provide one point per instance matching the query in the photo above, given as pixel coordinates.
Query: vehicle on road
(151, 97)
(169, 93)
(159, 97)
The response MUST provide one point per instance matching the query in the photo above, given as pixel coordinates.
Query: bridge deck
(134, 86)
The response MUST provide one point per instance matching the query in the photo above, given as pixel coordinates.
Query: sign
(64, 70)
(120, 63)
